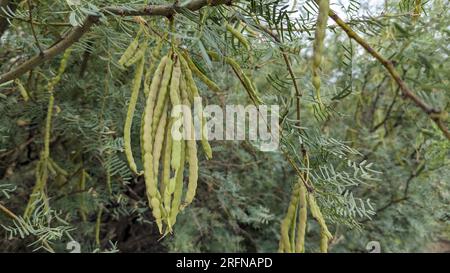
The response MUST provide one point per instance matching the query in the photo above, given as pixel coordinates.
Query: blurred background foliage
(380, 166)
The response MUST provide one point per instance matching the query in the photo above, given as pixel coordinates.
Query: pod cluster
(293, 226)
(170, 92)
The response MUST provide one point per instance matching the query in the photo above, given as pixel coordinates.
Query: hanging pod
(238, 35)
(293, 230)
(243, 78)
(211, 85)
(41, 173)
(321, 26)
(191, 147)
(192, 88)
(325, 235)
(287, 223)
(130, 114)
(131, 50)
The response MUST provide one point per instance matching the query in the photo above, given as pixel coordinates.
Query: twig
(436, 115)
(32, 26)
(8, 213)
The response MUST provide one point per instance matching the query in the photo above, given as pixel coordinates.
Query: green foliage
(379, 167)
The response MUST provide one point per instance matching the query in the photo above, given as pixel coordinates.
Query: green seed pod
(192, 87)
(325, 235)
(245, 80)
(62, 67)
(22, 90)
(162, 95)
(280, 246)
(57, 168)
(175, 84)
(152, 189)
(176, 101)
(82, 187)
(293, 229)
(301, 230)
(131, 49)
(289, 219)
(211, 85)
(238, 35)
(48, 125)
(159, 139)
(51, 169)
(178, 188)
(157, 213)
(42, 166)
(140, 53)
(191, 148)
(130, 115)
(167, 153)
(321, 26)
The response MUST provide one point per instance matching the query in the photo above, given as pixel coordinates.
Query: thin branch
(8, 213)
(76, 33)
(32, 26)
(436, 115)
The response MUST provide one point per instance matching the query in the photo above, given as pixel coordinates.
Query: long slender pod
(321, 26)
(325, 235)
(159, 140)
(292, 228)
(211, 85)
(162, 95)
(42, 167)
(130, 114)
(166, 188)
(302, 218)
(191, 147)
(82, 188)
(245, 80)
(23, 92)
(178, 188)
(288, 219)
(238, 35)
(191, 86)
(131, 49)
(140, 53)
(176, 114)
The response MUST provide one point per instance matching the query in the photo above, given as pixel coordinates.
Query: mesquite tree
(89, 92)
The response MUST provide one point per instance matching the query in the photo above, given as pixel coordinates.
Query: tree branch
(76, 33)
(436, 115)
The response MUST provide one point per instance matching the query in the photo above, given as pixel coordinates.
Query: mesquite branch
(76, 33)
(436, 115)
